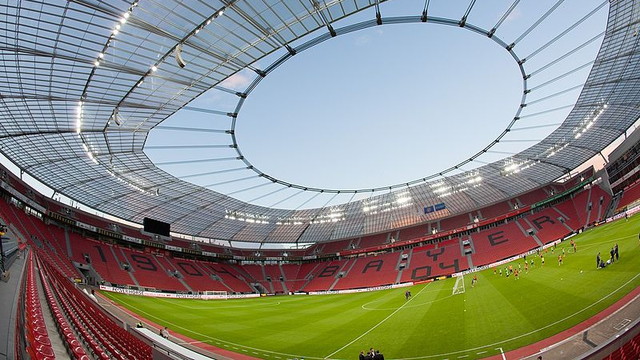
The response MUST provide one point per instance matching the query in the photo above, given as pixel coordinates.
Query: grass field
(499, 312)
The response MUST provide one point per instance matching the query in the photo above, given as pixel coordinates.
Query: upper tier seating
(373, 240)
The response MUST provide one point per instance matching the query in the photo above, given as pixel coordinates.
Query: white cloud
(514, 15)
(237, 81)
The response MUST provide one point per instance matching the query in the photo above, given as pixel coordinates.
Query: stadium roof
(86, 81)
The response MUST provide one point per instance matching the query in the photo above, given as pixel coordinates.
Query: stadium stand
(630, 350)
(546, 225)
(327, 273)
(69, 332)
(422, 256)
(105, 338)
(159, 269)
(499, 243)
(333, 247)
(412, 233)
(532, 197)
(196, 278)
(274, 273)
(148, 272)
(100, 256)
(454, 222)
(370, 271)
(298, 276)
(434, 260)
(38, 344)
(373, 240)
(495, 210)
(630, 195)
(229, 275)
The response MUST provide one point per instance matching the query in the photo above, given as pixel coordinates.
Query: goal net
(214, 295)
(458, 288)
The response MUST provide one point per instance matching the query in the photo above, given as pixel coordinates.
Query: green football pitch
(498, 314)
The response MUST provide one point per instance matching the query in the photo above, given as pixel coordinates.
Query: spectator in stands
(139, 325)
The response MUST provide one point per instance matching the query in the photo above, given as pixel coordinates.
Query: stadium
(164, 194)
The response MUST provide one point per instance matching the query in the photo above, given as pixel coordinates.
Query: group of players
(371, 355)
(614, 255)
(527, 264)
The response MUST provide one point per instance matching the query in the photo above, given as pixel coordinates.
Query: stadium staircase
(68, 243)
(470, 261)
(566, 219)
(171, 271)
(472, 247)
(406, 263)
(613, 205)
(221, 281)
(184, 283)
(343, 272)
(589, 208)
(130, 270)
(18, 235)
(530, 226)
(284, 281)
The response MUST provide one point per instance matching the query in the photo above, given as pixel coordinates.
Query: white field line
(410, 358)
(376, 325)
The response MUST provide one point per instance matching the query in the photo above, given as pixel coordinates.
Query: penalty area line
(376, 325)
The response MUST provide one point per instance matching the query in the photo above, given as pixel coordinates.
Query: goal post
(458, 288)
(214, 295)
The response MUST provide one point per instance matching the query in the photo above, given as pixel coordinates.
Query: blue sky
(391, 103)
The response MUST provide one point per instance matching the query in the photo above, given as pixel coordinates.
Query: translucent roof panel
(85, 83)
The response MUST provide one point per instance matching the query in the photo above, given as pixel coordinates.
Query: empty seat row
(38, 344)
(103, 336)
(74, 348)
(628, 351)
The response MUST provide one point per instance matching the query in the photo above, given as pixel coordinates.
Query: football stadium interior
(136, 222)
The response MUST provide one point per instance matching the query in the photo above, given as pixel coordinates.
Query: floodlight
(178, 54)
